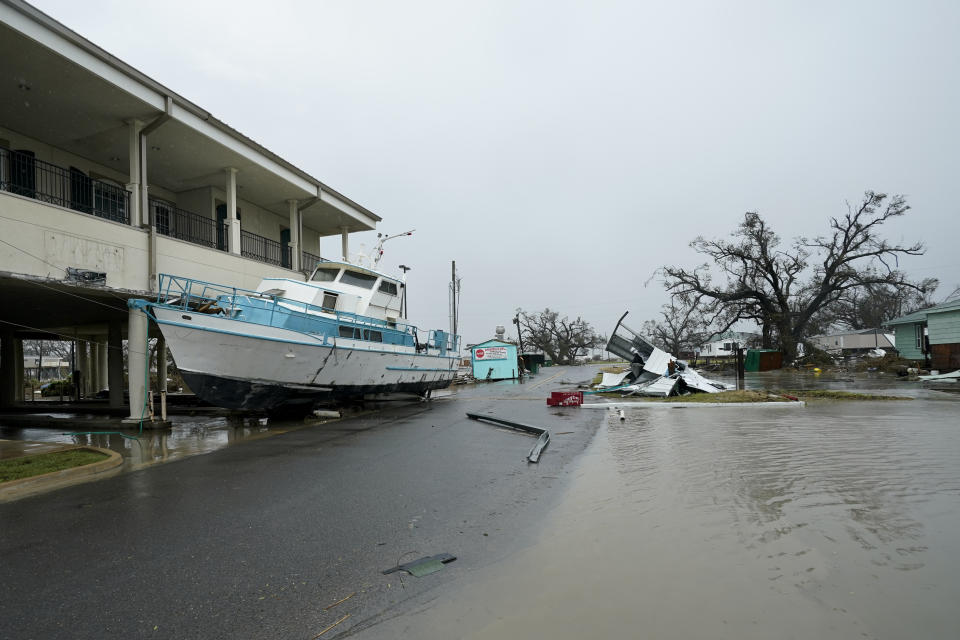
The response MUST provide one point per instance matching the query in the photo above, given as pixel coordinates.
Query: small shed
(494, 360)
(533, 361)
(762, 360)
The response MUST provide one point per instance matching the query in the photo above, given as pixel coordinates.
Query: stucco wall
(51, 238)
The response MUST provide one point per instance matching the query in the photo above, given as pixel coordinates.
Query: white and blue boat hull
(239, 365)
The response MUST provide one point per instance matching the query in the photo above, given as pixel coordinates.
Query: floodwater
(839, 520)
(188, 436)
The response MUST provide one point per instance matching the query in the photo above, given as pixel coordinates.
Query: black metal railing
(181, 224)
(308, 262)
(264, 249)
(21, 173)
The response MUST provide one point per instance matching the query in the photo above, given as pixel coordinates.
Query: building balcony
(22, 174)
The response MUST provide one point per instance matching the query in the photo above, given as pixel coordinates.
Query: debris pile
(653, 372)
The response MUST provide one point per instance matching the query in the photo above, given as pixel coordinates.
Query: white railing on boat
(197, 295)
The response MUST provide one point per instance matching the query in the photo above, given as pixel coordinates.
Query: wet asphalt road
(259, 539)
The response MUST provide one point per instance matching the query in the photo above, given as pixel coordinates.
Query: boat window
(364, 280)
(326, 274)
(329, 300)
(388, 287)
(372, 336)
(349, 332)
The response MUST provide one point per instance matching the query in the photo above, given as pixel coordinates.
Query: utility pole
(454, 298)
(516, 321)
(453, 286)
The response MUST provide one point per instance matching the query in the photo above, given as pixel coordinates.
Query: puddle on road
(835, 521)
(188, 436)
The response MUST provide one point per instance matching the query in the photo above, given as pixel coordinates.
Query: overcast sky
(561, 152)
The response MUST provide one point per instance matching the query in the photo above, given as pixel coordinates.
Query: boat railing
(197, 295)
(443, 341)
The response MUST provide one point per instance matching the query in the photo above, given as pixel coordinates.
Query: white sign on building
(490, 353)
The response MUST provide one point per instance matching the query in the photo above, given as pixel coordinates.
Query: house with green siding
(932, 334)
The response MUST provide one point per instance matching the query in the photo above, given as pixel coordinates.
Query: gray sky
(560, 152)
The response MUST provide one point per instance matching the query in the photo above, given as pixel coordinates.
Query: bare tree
(561, 339)
(872, 306)
(786, 289)
(683, 325)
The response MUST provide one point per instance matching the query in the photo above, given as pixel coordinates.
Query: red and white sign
(491, 353)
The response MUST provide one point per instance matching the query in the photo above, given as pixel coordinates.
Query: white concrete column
(344, 244)
(133, 130)
(162, 376)
(233, 225)
(115, 362)
(294, 235)
(8, 369)
(103, 382)
(88, 373)
(161, 364)
(137, 364)
(18, 366)
(94, 385)
(83, 366)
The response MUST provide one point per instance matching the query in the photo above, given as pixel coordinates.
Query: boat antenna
(378, 250)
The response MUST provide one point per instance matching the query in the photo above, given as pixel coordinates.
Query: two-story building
(108, 178)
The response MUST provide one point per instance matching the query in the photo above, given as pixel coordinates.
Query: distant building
(53, 367)
(853, 342)
(721, 344)
(494, 360)
(932, 334)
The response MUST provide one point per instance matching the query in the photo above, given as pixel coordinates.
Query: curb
(34, 485)
(675, 405)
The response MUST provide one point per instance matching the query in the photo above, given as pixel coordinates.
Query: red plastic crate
(565, 399)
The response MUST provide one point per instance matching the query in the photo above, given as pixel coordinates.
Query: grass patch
(725, 396)
(828, 394)
(762, 395)
(29, 466)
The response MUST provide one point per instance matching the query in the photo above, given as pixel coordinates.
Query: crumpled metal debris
(653, 372)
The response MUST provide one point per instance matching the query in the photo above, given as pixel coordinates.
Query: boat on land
(292, 345)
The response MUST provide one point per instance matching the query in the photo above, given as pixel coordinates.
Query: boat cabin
(343, 287)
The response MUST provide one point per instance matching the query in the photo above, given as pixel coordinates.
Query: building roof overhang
(71, 94)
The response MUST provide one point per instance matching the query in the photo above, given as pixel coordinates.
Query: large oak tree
(786, 289)
(561, 339)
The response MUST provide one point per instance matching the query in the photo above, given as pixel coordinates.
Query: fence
(22, 174)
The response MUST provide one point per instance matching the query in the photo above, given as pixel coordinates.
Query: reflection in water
(830, 500)
(188, 436)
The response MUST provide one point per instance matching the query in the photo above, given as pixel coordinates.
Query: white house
(722, 344)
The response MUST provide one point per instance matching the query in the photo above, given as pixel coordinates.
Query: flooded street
(188, 436)
(839, 520)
